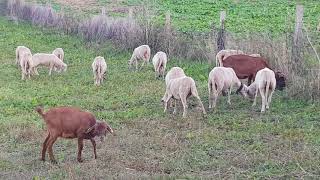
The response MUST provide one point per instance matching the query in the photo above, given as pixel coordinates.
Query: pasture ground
(233, 142)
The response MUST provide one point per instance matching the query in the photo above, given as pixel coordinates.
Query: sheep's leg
(263, 99)
(50, 144)
(94, 148)
(255, 97)
(166, 103)
(269, 99)
(185, 106)
(142, 64)
(80, 147)
(44, 147)
(136, 64)
(50, 70)
(22, 76)
(229, 94)
(175, 106)
(202, 107)
(210, 96)
(35, 71)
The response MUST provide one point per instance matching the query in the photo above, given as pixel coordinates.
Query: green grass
(233, 142)
(243, 16)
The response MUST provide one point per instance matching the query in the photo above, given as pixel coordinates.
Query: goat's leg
(44, 147)
(136, 64)
(142, 64)
(255, 97)
(80, 147)
(166, 102)
(50, 143)
(94, 148)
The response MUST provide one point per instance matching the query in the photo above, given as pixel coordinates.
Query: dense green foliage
(232, 142)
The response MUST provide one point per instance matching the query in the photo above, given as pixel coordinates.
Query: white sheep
(19, 53)
(223, 54)
(25, 64)
(265, 84)
(223, 79)
(48, 60)
(99, 68)
(143, 53)
(159, 62)
(181, 88)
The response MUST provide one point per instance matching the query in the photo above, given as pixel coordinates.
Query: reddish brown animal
(70, 122)
(246, 66)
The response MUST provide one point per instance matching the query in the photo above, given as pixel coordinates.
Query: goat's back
(245, 65)
(68, 120)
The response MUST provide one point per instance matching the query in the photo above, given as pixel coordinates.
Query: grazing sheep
(159, 63)
(255, 55)
(19, 53)
(48, 60)
(99, 68)
(265, 84)
(181, 88)
(173, 73)
(143, 53)
(223, 54)
(70, 122)
(222, 79)
(25, 64)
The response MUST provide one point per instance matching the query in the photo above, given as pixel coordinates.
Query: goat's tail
(39, 109)
(99, 70)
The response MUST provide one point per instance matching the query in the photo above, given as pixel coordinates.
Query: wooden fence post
(221, 34)
(103, 11)
(297, 43)
(168, 32)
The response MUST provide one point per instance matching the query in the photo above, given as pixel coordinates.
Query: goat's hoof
(43, 159)
(80, 160)
(54, 162)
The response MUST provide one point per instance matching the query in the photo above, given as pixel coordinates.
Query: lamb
(159, 63)
(265, 84)
(49, 60)
(181, 88)
(223, 54)
(223, 79)
(71, 122)
(143, 53)
(99, 68)
(19, 53)
(25, 64)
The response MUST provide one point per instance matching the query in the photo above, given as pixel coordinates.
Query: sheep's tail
(159, 64)
(39, 109)
(193, 89)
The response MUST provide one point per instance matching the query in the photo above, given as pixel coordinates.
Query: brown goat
(70, 122)
(246, 66)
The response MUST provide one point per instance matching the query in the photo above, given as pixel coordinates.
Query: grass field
(243, 16)
(233, 142)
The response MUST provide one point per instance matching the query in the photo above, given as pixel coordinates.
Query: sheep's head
(242, 90)
(281, 80)
(251, 90)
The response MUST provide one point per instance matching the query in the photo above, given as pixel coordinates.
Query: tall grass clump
(126, 33)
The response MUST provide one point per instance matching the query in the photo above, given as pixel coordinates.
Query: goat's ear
(90, 129)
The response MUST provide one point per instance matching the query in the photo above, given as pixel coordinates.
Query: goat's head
(281, 80)
(100, 129)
